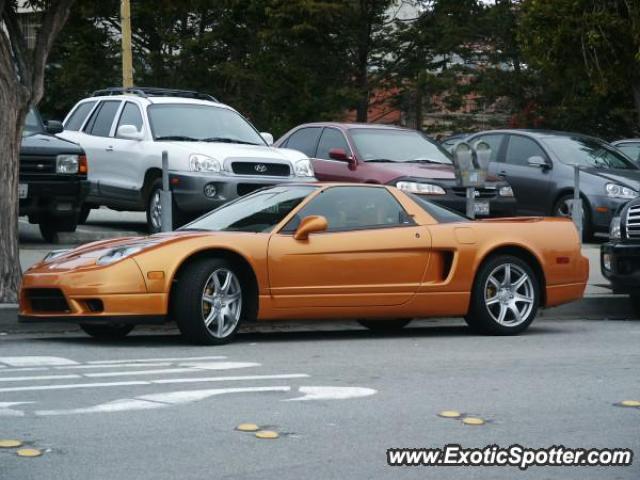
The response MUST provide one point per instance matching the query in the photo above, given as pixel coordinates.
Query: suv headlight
(506, 191)
(67, 164)
(424, 188)
(615, 229)
(203, 163)
(303, 168)
(618, 191)
(118, 253)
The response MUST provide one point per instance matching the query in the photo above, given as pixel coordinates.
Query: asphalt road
(151, 407)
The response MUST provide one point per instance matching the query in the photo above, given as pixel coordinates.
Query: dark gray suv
(539, 166)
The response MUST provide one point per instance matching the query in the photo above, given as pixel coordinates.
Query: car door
(531, 184)
(129, 155)
(371, 254)
(327, 168)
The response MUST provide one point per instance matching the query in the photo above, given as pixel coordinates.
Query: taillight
(83, 167)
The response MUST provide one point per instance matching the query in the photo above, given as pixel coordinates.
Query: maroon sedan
(391, 155)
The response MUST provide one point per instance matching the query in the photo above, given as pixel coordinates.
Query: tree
(22, 73)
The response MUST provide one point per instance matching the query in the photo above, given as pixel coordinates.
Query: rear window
(78, 116)
(441, 214)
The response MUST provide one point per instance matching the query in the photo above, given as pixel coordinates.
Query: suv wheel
(154, 210)
(51, 226)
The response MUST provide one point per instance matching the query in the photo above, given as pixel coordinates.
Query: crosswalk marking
(38, 377)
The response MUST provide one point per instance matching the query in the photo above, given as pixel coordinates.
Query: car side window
(354, 208)
(100, 122)
(78, 116)
(331, 138)
(494, 141)
(130, 116)
(632, 150)
(305, 140)
(521, 148)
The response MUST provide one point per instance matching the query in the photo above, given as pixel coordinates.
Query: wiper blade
(227, 140)
(179, 138)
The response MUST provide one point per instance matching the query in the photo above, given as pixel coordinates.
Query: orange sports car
(314, 251)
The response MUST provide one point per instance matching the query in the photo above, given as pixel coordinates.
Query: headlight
(202, 163)
(615, 231)
(303, 168)
(506, 192)
(424, 188)
(118, 253)
(618, 191)
(67, 163)
(54, 254)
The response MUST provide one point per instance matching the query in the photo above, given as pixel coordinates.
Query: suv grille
(29, 164)
(47, 300)
(480, 192)
(259, 168)
(633, 222)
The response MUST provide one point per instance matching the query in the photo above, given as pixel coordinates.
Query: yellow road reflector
(248, 427)
(630, 403)
(473, 421)
(268, 434)
(28, 452)
(450, 414)
(10, 443)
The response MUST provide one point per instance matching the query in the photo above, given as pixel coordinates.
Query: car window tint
(439, 213)
(494, 141)
(631, 150)
(331, 138)
(520, 149)
(354, 208)
(305, 140)
(131, 116)
(102, 119)
(76, 119)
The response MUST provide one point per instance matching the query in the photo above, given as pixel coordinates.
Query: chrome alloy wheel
(509, 295)
(221, 302)
(155, 210)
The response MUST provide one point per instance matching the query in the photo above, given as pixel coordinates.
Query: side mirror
(53, 126)
(339, 154)
(310, 224)
(267, 137)
(539, 162)
(129, 132)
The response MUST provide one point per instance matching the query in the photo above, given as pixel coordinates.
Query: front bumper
(188, 188)
(58, 197)
(620, 264)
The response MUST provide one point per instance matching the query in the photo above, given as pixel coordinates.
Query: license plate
(481, 209)
(23, 190)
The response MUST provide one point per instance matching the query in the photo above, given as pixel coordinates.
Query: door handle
(109, 148)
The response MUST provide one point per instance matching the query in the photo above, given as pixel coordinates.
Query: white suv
(215, 154)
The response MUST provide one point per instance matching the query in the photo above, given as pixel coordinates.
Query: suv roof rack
(153, 92)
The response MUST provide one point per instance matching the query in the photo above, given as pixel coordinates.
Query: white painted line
(222, 379)
(120, 365)
(220, 366)
(69, 386)
(178, 359)
(39, 377)
(332, 393)
(29, 369)
(5, 411)
(36, 361)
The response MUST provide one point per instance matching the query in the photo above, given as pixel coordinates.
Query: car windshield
(32, 124)
(588, 152)
(258, 212)
(188, 122)
(388, 145)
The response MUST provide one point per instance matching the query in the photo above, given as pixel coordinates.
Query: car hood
(44, 144)
(398, 170)
(223, 151)
(627, 178)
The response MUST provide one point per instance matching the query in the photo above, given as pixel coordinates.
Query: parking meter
(472, 167)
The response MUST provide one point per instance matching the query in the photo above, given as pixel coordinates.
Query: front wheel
(106, 332)
(210, 301)
(505, 297)
(51, 226)
(384, 326)
(154, 210)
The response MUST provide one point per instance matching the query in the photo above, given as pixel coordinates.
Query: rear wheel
(212, 298)
(51, 226)
(564, 208)
(505, 297)
(106, 332)
(384, 326)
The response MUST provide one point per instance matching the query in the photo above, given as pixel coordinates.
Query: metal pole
(127, 63)
(576, 211)
(165, 196)
(471, 201)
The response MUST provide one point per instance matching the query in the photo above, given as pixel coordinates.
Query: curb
(604, 307)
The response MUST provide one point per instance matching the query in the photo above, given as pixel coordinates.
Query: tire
(106, 332)
(154, 210)
(384, 326)
(84, 214)
(209, 305)
(492, 284)
(51, 226)
(562, 209)
(635, 303)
